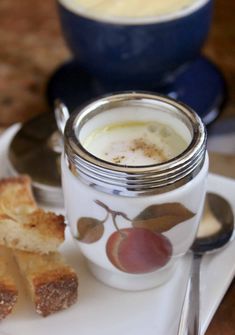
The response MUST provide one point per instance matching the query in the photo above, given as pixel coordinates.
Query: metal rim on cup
(132, 180)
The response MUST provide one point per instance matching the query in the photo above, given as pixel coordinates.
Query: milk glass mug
(133, 218)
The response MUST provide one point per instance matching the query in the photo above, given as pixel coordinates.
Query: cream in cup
(134, 180)
(130, 8)
(135, 143)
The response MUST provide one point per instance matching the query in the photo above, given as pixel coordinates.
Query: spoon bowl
(223, 214)
(217, 210)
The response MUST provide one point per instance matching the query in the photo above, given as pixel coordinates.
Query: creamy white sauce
(130, 8)
(135, 143)
(209, 224)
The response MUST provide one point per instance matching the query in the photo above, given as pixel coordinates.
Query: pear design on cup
(141, 248)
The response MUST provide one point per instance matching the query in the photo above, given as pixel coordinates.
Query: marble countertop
(32, 47)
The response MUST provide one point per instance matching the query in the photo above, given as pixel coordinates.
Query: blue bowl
(140, 52)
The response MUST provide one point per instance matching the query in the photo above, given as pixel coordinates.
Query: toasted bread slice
(8, 289)
(23, 225)
(16, 195)
(52, 283)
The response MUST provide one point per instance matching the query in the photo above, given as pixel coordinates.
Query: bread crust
(22, 224)
(34, 237)
(56, 292)
(8, 298)
(51, 283)
(8, 288)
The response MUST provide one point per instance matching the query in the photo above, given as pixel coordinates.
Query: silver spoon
(221, 212)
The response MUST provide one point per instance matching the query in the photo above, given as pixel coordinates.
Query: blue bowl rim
(185, 11)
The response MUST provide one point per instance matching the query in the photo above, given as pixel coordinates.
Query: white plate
(101, 310)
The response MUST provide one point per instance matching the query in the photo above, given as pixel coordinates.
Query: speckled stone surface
(32, 46)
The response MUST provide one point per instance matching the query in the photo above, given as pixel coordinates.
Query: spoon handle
(189, 321)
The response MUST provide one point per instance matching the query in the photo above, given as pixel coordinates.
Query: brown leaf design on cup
(162, 217)
(89, 230)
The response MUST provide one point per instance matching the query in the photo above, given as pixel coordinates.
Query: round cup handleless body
(133, 222)
(140, 53)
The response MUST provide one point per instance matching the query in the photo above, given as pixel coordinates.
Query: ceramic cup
(135, 53)
(133, 221)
